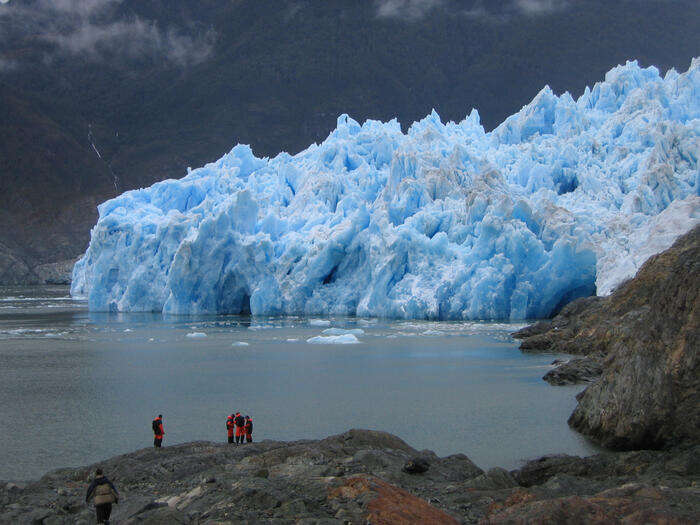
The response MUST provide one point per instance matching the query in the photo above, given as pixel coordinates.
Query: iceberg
(343, 331)
(566, 198)
(346, 339)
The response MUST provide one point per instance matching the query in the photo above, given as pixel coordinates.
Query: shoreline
(358, 475)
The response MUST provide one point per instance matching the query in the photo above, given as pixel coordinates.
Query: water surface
(77, 387)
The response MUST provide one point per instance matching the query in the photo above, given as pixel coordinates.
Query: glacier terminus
(566, 198)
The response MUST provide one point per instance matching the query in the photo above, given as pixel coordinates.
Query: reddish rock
(631, 503)
(387, 504)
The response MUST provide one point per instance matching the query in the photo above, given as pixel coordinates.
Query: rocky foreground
(365, 476)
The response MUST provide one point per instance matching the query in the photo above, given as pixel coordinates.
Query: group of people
(105, 494)
(238, 427)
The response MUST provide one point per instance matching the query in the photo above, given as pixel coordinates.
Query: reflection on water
(76, 387)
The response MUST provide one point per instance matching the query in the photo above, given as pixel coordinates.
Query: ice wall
(446, 221)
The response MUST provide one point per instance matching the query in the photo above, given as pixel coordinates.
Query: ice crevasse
(565, 198)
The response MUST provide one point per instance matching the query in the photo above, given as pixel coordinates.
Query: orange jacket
(160, 432)
(230, 426)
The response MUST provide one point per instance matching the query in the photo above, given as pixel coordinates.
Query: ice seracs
(446, 221)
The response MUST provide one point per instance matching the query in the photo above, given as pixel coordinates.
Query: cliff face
(646, 336)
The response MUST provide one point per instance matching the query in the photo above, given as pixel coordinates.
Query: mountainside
(122, 94)
(645, 335)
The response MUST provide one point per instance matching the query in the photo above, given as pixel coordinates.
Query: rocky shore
(365, 476)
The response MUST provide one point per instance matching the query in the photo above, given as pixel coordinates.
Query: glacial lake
(77, 387)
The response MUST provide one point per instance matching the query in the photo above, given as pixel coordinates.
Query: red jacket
(160, 432)
(230, 426)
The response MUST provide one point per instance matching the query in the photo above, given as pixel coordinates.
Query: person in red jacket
(248, 429)
(230, 425)
(158, 431)
(240, 427)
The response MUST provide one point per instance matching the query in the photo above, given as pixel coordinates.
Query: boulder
(416, 465)
(578, 370)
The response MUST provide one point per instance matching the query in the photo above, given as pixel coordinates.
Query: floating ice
(319, 322)
(446, 221)
(346, 339)
(343, 331)
(196, 335)
(239, 343)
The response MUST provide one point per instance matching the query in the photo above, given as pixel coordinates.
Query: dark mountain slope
(275, 75)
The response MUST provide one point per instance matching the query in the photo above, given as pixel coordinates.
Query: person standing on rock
(105, 494)
(248, 429)
(230, 425)
(158, 431)
(240, 427)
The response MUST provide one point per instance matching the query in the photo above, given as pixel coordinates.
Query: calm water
(77, 387)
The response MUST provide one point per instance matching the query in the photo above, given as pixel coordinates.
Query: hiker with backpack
(105, 494)
(248, 429)
(230, 425)
(158, 431)
(240, 428)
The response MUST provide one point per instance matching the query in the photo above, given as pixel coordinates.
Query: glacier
(566, 198)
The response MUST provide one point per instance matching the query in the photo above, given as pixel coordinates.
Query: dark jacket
(240, 421)
(96, 483)
(249, 426)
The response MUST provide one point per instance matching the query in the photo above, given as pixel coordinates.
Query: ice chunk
(196, 335)
(319, 322)
(239, 343)
(343, 331)
(346, 339)
(563, 199)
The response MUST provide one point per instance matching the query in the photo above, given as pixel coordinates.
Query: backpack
(240, 421)
(156, 426)
(104, 494)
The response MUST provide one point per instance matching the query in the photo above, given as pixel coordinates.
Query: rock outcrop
(646, 335)
(577, 370)
(358, 477)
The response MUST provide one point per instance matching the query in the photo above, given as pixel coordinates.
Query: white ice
(447, 221)
(343, 331)
(346, 339)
